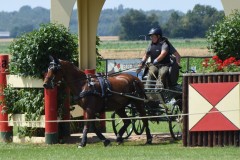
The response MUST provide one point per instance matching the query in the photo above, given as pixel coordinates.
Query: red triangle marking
(214, 92)
(215, 121)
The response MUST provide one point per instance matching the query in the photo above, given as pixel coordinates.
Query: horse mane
(71, 67)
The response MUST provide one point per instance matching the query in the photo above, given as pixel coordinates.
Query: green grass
(155, 127)
(129, 150)
(139, 45)
(133, 45)
(4, 47)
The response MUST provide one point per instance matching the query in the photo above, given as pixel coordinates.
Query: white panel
(24, 82)
(229, 106)
(198, 107)
(20, 120)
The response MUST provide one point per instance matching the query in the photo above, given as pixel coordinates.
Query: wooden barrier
(208, 137)
(51, 128)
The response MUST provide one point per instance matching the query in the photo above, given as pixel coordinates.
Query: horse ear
(54, 59)
(57, 60)
(51, 58)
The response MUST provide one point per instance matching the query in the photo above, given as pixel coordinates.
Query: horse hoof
(107, 142)
(81, 145)
(119, 140)
(149, 141)
(119, 143)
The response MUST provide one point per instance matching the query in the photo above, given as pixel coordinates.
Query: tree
(136, 23)
(172, 27)
(197, 21)
(17, 31)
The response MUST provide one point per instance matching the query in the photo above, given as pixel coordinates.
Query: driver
(159, 50)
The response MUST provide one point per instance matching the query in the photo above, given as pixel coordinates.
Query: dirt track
(92, 138)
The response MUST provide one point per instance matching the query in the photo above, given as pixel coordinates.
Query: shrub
(224, 37)
(25, 101)
(30, 52)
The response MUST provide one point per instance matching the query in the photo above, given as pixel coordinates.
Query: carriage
(163, 105)
(124, 94)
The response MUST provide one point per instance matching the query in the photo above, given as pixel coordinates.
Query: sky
(181, 5)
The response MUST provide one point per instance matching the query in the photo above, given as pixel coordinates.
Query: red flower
(229, 61)
(237, 63)
(215, 64)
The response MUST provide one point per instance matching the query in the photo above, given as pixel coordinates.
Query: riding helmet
(156, 31)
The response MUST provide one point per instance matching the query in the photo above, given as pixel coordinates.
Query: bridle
(55, 68)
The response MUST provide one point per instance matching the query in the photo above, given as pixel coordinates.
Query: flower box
(20, 120)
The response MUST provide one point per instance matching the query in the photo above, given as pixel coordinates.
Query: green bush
(224, 37)
(30, 52)
(25, 101)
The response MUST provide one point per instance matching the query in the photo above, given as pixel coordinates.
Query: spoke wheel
(117, 124)
(175, 122)
(138, 127)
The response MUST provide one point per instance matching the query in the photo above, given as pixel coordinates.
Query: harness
(106, 90)
(104, 87)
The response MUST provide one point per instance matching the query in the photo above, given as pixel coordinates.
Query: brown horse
(92, 94)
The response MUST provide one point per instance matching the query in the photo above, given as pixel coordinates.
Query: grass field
(114, 49)
(136, 49)
(128, 151)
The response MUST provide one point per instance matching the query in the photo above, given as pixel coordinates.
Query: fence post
(6, 132)
(51, 128)
(102, 115)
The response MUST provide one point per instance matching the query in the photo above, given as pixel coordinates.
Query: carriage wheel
(117, 123)
(138, 127)
(175, 122)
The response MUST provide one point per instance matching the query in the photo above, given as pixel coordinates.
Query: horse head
(54, 75)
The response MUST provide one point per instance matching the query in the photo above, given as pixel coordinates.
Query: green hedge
(224, 37)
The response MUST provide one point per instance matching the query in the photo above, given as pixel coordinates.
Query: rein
(106, 75)
(127, 95)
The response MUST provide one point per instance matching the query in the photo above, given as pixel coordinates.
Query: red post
(51, 128)
(6, 132)
(102, 116)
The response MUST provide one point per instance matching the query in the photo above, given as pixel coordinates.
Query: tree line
(127, 23)
(194, 24)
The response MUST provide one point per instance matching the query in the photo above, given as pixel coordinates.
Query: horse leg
(84, 136)
(85, 130)
(105, 141)
(121, 113)
(140, 109)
